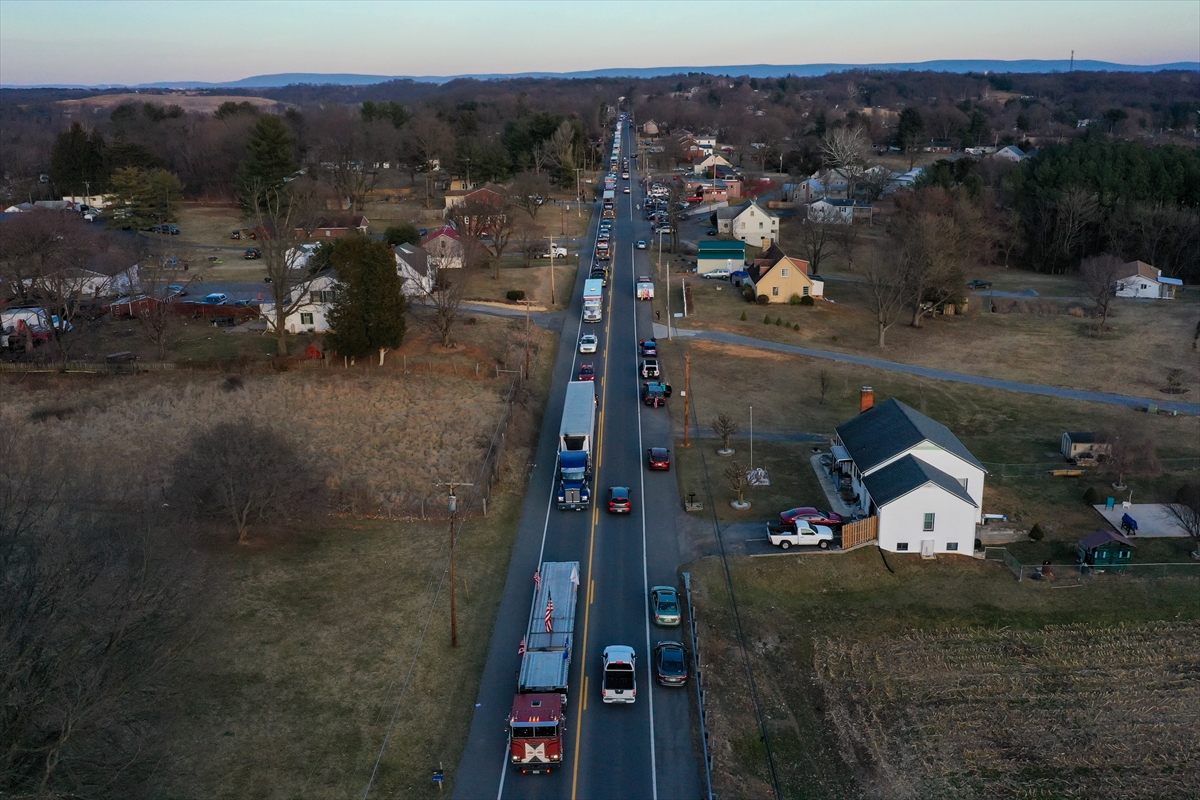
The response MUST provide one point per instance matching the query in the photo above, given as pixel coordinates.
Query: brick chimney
(866, 399)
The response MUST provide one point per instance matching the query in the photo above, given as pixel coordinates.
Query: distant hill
(750, 70)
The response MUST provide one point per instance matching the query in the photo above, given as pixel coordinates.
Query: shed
(1083, 444)
(720, 254)
(1105, 549)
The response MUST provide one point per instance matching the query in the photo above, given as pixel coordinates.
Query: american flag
(537, 578)
(521, 649)
(549, 613)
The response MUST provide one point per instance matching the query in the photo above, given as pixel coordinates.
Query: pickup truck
(557, 252)
(650, 368)
(784, 535)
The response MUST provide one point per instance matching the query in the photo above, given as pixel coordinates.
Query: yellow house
(779, 277)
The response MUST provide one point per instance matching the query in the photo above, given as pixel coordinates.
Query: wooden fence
(856, 533)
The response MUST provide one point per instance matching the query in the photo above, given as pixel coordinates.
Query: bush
(401, 234)
(748, 293)
(767, 319)
(763, 300)
(796, 327)
(795, 299)
(743, 316)
(515, 295)
(1091, 496)
(807, 301)
(778, 321)
(1036, 534)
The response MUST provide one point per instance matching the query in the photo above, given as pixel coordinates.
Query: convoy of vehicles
(593, 300)
(576, 439)
(537, 721)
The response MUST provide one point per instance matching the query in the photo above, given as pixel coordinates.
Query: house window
(804, 291)
(785, 272)
(963, 481)
(306, 319)
(951, 546)
(760, 226)
(928, 522)
(327, 234)
(901, 546)
(774, 291)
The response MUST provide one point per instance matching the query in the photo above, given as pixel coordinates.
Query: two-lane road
(643, 750)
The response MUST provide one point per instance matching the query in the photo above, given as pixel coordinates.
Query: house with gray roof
(914, 474)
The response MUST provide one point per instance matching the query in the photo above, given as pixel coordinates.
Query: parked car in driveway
(252, 254)
(720, 273)
(979, 285)
(670, 664)
(812, 515)
(664, 605)
(215, 299)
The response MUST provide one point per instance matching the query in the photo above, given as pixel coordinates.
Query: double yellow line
(591, 594)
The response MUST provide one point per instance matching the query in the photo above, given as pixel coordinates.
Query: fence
(695, 639)
(1048, 467)
(1081, 574)
(856, 533)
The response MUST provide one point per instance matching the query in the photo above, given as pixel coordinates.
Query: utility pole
(578, 194)
(687, 392)
(453, 505)
(526, 340)
(552, 301)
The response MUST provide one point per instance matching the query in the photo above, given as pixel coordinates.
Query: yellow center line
(587, 611)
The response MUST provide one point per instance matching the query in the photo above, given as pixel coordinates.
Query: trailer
(644, 289)
(537, 721)
(576, 439)
(593, 299)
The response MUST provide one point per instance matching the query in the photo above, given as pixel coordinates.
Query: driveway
(936, 374)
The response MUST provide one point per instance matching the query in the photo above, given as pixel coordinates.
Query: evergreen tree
(77, 161)
(144, 197)
(368, 307)
(269, 161)
(910, 133)
(401, 234)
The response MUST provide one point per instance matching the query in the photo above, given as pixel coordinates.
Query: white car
(720, 273)
(641, 245)
(588, 343)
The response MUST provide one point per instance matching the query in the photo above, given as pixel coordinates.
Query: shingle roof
(1139, 268)
(892, 427)
(906, 474)
(1082, 437)
(1103, 537)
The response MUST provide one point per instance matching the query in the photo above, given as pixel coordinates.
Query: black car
(252, 254)
(979, 285)
(670, 664)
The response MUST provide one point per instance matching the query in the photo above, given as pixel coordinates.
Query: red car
(587, 372)
(618, 500)
(812, 516)
(658, 458)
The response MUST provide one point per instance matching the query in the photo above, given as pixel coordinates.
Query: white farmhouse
(1139, 279)
(749, 222)
(416, 269)
(911, 472)
(312, 314)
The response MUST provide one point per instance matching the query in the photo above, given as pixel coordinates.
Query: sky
(131, 42)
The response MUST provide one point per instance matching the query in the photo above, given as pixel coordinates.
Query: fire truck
(537, 723)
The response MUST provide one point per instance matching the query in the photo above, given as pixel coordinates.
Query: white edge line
(550, 500)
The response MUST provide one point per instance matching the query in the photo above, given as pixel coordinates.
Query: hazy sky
(124, 41)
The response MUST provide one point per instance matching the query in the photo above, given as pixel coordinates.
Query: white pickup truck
(786, 534)
(556, 252)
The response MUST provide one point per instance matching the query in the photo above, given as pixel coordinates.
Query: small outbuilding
(720, 254)
(1105, 550)
(1085, 445)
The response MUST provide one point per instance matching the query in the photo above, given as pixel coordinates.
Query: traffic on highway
(599, 706)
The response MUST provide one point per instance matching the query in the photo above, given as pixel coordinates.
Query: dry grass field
(191, 103)
(1097, 710)
(1033, 341)
(949, 679)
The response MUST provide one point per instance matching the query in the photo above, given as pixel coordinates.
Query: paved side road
(937, 374)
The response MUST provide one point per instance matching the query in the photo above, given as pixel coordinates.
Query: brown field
(948, 679)
(931, 713)
(192, 103)
(1033, 341)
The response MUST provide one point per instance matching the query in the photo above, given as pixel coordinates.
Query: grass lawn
(999, 428)
(294, 678)
(948, 679)
(1146, 340)
(534, 281)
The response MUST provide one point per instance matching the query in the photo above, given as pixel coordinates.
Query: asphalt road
(643, 750)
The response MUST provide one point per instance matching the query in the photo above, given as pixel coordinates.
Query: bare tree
(886, 289)
(817, 238)
(674, 212)
(738, 479)
(284, 218)
(561, 147)
(244, 473)
(824, 381)
(1100, 274)
(529, 237)
(1130, 451)
(485, 225)
(444, 294)
(94, 599)
(1186, 510)
(846, 239)
(157, 314)
(725, 427)
(1075, 211)
(843, 149)
(529, 191)
(430, 140)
